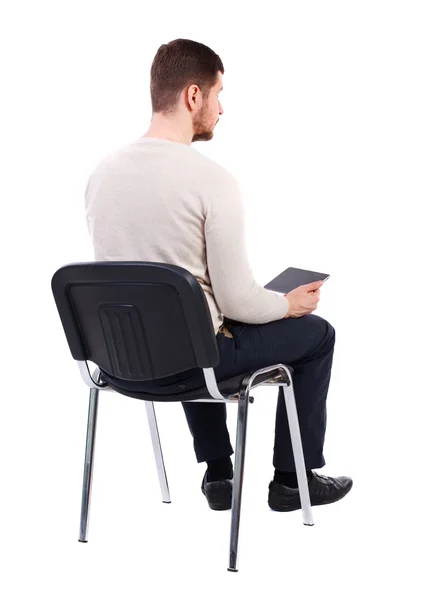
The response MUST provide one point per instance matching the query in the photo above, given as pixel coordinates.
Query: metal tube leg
(161, 471)
(299, 460)
(241, 432)
(88, 464)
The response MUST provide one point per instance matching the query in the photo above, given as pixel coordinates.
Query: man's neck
(167, 129)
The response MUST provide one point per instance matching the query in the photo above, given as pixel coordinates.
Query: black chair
(141, 321)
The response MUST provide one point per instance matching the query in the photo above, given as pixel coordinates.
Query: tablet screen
(291, 278)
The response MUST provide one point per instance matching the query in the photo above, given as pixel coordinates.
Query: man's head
(186, 78)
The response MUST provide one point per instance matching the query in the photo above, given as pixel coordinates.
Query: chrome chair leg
(161, 471)
(88, 463)
(241, 433)
(299, 460)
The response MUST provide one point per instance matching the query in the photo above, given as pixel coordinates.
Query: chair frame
(242, 398)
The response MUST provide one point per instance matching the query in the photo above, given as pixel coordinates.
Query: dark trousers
(306, 344)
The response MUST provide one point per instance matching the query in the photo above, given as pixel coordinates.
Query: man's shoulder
(218, 173)
(108, 159)
(187, 158)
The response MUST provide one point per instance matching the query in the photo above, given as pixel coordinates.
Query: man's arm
(237, 294)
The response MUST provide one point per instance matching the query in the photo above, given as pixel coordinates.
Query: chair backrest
(135, 320)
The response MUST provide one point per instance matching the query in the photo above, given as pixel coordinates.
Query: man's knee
(331, 333)
(324, 329)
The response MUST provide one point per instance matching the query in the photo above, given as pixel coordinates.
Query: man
(159, 200)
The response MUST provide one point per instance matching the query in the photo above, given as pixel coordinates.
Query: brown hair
(178, 64)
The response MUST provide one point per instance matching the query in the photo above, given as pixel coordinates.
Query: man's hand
(303, 300)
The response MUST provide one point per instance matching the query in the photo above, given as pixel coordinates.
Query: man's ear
(193, 96)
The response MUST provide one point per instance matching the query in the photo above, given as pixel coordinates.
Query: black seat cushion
(227, 387)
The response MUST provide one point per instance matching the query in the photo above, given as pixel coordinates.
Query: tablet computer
(291, 278)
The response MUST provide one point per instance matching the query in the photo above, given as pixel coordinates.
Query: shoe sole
(222, 500)
(284, 504)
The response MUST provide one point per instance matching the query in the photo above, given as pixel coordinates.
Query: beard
(202, 131)
(203, 136)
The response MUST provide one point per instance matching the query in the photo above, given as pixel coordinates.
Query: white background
(331, 126)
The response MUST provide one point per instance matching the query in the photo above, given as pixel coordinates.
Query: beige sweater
(162, 201)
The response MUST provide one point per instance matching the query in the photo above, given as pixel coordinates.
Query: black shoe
(322, 490)
(218, 493)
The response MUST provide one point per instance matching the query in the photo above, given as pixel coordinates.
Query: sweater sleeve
(238, 295)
